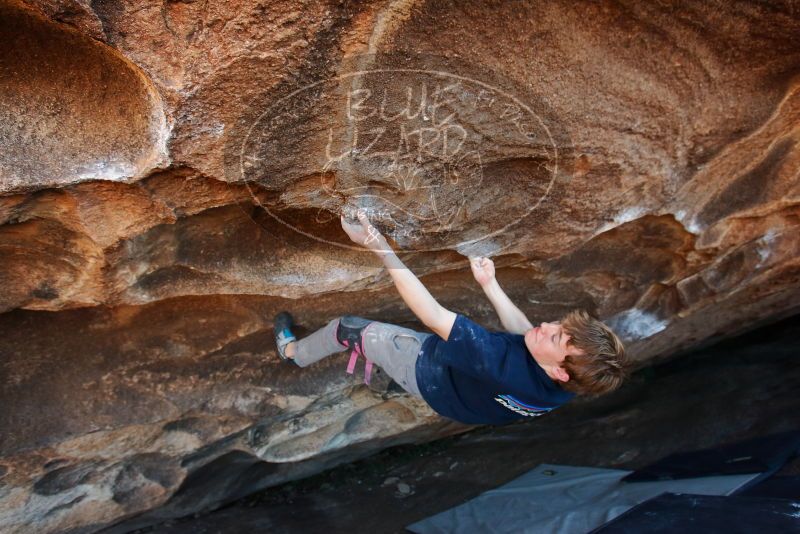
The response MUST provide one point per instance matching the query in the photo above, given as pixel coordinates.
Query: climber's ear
(561, 374)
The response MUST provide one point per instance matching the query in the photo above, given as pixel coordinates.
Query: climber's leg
(318, 345)
(339, 334)
(395, 350)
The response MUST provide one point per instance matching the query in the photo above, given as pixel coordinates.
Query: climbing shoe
(282, 327)
(348, 333)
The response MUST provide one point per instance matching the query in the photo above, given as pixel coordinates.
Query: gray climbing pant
(392, 348)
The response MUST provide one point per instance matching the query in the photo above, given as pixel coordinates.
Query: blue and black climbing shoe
(282, 327)
(350, 330)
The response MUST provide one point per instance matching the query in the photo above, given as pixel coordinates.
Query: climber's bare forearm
(416, 296)
(511, 316)
(421, 302)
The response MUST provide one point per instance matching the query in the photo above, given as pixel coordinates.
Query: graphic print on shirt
(520, 407)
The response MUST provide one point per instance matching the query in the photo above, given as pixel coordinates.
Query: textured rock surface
(161, 159)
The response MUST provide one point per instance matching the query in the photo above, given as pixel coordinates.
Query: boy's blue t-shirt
(483, 377)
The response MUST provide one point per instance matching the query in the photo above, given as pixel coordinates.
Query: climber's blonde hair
(602, 366)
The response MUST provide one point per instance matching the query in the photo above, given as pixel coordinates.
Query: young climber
(462, 370)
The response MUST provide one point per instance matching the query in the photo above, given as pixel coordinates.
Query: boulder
(173, 172)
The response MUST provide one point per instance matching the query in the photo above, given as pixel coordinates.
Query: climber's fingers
(479, 261)
(362, 217)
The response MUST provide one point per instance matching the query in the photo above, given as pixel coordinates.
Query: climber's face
(548, 343)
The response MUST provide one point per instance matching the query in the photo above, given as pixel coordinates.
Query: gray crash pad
(564, 499)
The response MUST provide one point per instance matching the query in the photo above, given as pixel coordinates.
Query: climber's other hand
(482, 269)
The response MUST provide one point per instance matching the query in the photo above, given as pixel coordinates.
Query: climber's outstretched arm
(511, 316)
(432, 314)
